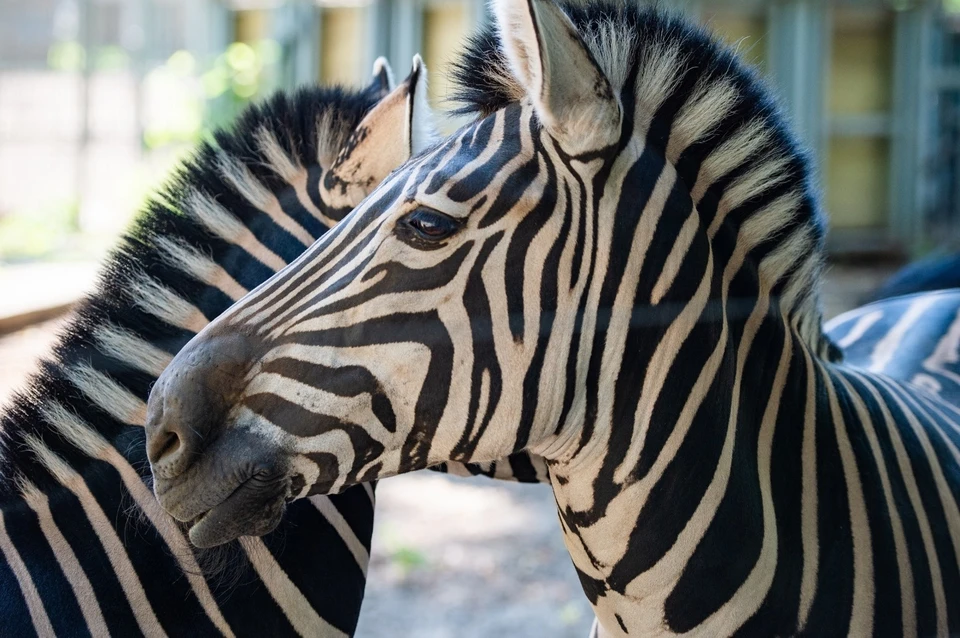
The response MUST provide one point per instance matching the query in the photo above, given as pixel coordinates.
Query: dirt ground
(460, 557)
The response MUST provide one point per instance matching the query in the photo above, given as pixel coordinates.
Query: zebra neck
(671, 471)
(764, 501)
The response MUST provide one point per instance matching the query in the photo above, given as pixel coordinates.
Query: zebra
(615, 268)
(935, 272)
(84, 547)
(883, 337)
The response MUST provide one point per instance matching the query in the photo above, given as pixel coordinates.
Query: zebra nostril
(167, 447)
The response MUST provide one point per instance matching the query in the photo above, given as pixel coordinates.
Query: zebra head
(399, 124)
(495, 291)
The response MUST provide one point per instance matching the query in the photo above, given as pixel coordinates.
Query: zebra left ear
(382, 82)
(572, 96)
(398, 127)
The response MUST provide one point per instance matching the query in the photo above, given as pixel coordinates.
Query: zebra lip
(252, 509)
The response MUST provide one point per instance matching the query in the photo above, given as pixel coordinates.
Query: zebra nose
(189, 404)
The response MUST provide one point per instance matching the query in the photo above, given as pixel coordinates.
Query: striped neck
(766, 491)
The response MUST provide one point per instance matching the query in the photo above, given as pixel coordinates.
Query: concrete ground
(460, 557)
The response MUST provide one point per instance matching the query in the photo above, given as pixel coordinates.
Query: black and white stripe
(914, 338)
(85, 549)
(615, 269)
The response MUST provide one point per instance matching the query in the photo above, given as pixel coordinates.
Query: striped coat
(85, 548)
(616, 268)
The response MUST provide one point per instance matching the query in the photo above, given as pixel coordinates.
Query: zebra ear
(382, 82)
(422, 121)
(399, 126)
(572, 96)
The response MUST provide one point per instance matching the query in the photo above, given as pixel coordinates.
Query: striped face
(419, 330)
(432, 324)
(387, 135)
(510, 289)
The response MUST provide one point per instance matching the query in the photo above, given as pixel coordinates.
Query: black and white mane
(150, 267)
(686, 85)
(245, 204)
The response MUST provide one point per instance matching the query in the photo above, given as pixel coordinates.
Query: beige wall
(861, 68)
(856, 170)
(446, 26)
(343, 36)
(252, 25)
(856, 182)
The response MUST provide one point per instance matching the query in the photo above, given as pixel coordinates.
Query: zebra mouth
(254, 508)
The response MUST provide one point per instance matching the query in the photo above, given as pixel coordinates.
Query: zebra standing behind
(615, 268)
(84, 547)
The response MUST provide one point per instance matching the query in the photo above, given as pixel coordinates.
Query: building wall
(745, 31)
(839, 58)
(342, 39)
(447, 24)
(860, 84)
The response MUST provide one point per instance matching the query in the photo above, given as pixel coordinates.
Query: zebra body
(85, 549)
(884, 338)
(936, 272)
(616, 269)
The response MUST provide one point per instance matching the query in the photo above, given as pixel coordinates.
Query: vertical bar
(798, 62)
(904, 189)
(379, 37)
(406, 35)
(83, 141)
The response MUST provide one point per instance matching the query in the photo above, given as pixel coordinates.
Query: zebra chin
(237, 486)
(244, 501)
(212, 471)
(247, 515)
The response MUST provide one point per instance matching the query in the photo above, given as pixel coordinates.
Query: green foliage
(176, 109)
(196, 100)
(38, 234)
(570, 613)
(185, 99)
(66, 56)
(407, 559)
(111, 58)
(238, 75)
(70, 56)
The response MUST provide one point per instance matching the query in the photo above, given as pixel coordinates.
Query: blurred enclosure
(98, 98)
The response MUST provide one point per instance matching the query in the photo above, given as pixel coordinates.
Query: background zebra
(937, 272)
(84, 547)
(615, 268)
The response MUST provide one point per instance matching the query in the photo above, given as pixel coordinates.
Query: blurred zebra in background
(85, 548)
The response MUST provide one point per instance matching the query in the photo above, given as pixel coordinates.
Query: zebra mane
(713, 118)
(199, 244)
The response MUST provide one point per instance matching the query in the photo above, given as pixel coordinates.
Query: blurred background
(100, 98)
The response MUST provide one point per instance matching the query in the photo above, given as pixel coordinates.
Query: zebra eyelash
(427, 229)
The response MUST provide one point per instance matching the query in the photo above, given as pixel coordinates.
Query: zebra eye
(430, 224)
